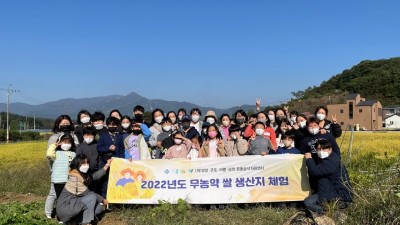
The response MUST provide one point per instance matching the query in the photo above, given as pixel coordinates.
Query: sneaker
(48, 216)
(322, 219)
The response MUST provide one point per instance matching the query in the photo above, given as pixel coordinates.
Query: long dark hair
(76, 164)
(219, 136)
(56, 127)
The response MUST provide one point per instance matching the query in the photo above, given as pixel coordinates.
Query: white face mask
(322, 154)
(287, 143)
(210, 120)
(98, 126)
(167, 128)
(225, 123)
(321, 116)
(178, 141)
(262, 120)
(85, 119)
(302, 124)
(125, 125)
(233, 136)
(66, 147)
(84, 168)
(271, 117)
(259, 131)
(205, 130)
(173, 120)
(180, 117)
(313, 131)
(88, 140)
(158, 119)
(293, 119)
(195, 118)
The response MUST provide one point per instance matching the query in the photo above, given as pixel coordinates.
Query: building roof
(392, 116)
(352, 96)
(392, 107)
(367, 103)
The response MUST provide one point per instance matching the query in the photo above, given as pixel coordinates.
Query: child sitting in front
(288, 142)
(259, 145)
(181, 146)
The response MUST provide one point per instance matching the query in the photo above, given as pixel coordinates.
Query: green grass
(373, 168)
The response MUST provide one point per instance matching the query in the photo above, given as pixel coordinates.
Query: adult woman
(76, 198)
(63, 124)
(156, 129)
(326, 125)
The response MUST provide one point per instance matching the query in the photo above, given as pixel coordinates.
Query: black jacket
(332, 177)
(308, 144)
(90, 150)
(334, 129)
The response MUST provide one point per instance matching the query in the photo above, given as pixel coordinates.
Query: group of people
(80, 154)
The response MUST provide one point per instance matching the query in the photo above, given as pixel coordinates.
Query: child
(135, 144)
(196, 147)
(166, 125)
(259, 145)
(61, 153)
(98, 122)
(288, 142)
(214, 145)
(181, 147)
(332, 179)
(76, 198)
(269, 132)
(89, 147)
(62, 124)
(110, 144)
(236, 145)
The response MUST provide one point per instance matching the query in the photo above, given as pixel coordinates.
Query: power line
(9, 92)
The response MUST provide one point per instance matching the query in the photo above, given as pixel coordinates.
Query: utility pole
(9, 92)
(34, 121)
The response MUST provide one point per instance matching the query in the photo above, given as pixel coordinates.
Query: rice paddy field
(371, 158)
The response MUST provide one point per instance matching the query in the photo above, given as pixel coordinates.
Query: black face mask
(112, 129)
(64, 128)
(138, 117)
(185, 125)
(136, 132)
(240, 120)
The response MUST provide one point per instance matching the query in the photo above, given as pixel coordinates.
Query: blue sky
(211, 53)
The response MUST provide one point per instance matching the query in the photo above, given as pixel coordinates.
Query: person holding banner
(181, 147)
(76, 198)
(332, 179)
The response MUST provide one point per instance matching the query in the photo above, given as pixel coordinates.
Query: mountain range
(105, 104)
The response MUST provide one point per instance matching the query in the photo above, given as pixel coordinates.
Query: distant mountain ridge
(105, 104)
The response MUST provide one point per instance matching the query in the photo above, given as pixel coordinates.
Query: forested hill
(377, 80)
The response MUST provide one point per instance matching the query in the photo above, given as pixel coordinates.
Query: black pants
(58, 188)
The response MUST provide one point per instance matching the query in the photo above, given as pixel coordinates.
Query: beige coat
(236, 148)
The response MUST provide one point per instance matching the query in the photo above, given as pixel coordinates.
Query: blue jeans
(311, 203)
(51, 198)
(92, 208)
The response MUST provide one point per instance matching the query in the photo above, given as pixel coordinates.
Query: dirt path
(109, 218)
(21, 198)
